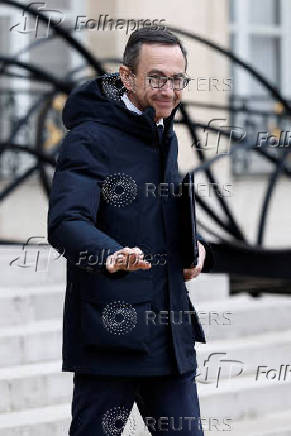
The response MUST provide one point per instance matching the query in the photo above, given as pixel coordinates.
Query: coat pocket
(114, 313)
(116, 325)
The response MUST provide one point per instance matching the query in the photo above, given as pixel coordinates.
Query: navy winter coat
(103, 199)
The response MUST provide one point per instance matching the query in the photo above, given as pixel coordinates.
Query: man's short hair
(148, 35)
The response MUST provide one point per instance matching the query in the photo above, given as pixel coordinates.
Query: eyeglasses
(177, 82)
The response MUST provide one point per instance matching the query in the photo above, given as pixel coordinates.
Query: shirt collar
(130, 106)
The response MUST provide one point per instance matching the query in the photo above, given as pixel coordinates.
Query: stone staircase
(256, 333)
(242, 334)
(35, 395)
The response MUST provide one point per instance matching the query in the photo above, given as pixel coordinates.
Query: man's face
(155, 59)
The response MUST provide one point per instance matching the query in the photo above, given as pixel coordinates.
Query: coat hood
(99, 100)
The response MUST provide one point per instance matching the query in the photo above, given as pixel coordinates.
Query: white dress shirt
(130, 106)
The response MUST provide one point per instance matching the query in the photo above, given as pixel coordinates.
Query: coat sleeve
(74, 202)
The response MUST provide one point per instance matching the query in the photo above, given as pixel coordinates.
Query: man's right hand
(129, 259)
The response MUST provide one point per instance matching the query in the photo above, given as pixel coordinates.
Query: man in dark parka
(129, 328)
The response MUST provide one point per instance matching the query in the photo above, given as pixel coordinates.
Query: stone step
(223, 318)
(31, 265)
(244, 398)
(34, 385)
(273, 424)
(55, 421)
(21, 305)
(208, 287)
(33, 342)
(222, 359)
(24, 304)
(43, 383)
(240, 316)
(41, 421)
(41, 340)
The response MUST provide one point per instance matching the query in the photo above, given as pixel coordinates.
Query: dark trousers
(168, 405)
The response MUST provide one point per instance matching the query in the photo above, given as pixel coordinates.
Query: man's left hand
(190, 273)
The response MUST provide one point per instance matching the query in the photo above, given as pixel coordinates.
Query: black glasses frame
(165, 79)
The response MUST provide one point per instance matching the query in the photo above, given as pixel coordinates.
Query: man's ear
(126, 77)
